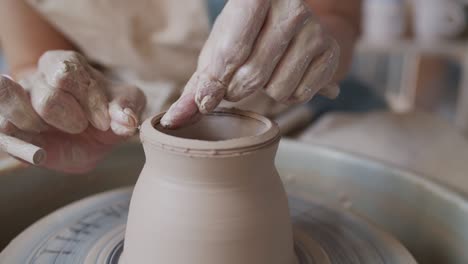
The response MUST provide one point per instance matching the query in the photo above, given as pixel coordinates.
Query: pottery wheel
(92, 231)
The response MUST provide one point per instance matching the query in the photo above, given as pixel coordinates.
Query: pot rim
(269, 135)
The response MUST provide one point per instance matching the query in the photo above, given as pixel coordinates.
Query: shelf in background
(413, 51)
(455, 49)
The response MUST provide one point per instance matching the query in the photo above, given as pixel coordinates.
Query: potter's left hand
(69, 109)
(275, 45)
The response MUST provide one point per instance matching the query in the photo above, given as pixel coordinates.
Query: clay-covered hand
(275, 45)
(70, 109)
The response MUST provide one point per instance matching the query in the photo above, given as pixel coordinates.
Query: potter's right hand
(69, 109)
(276, 46)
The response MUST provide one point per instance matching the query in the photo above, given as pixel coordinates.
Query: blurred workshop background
(407, 90)
(404, 103)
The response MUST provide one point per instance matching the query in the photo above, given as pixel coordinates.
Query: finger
(76, 153)
(16, 107)
(125, 109)
(57, 107)
(284, 21)
(307, 45)
(6, 127)
(9, 129)
(318, 75)
(70, 72)
(227, 48)
(184, 110)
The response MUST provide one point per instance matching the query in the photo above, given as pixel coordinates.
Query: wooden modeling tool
(22, 150)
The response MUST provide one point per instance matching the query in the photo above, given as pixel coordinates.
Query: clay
(220, 201)
(209, 194)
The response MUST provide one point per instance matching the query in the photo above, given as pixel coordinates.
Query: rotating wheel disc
(91, 231)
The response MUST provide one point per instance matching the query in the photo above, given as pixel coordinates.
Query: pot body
(209, 208)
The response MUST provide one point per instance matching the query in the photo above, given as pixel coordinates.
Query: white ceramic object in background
(436, 20)
(383, 20)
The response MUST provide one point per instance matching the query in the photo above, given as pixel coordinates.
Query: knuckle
(247, 79)
(258, 77)
(302, 12)
(299, 15)
(314, 38)
(276, 93)
(232, 59)
(207, 83)
(75, 59)
(47, 103)
(59, 109)
(317, 44)
(95, 100)
(6, 126)
(61, 68)
(55, 58)
(320, 36)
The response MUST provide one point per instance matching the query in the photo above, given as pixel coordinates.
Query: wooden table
(417, 142)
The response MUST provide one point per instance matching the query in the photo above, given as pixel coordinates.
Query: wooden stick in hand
(22, 150)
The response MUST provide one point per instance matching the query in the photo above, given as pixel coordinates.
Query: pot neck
(222, 133)
(180, 156)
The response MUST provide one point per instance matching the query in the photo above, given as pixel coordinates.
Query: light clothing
(153, 44)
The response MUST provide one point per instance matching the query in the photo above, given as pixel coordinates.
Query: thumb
(125, 108)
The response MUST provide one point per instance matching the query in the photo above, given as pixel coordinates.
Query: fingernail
(101, 119)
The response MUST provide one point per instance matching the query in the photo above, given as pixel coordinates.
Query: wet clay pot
(210, 194)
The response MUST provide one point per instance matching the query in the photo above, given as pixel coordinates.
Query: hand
(69, 109)
(276, 45)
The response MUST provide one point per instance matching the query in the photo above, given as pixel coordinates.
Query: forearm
(342, 19)
(25, 36)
